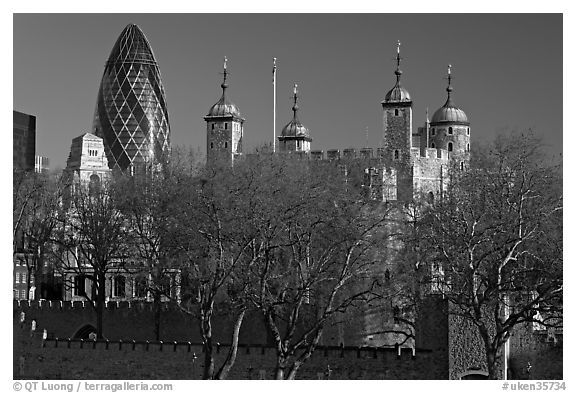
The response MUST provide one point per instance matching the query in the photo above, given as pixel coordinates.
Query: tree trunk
(157, 312)
(206, 330)
(100, 300)
(491, 361)
(280, 367)
(231, 358)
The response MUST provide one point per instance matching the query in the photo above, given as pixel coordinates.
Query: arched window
(430, 197)
(395, 112)
(468, 147)
(450, 132)
(94, 185)
(450, 146)
(433, 145)
(396, 154)
(468, 131)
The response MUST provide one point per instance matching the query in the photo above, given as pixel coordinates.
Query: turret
(224, 128)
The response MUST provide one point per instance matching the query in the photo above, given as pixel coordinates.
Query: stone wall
(74, 359)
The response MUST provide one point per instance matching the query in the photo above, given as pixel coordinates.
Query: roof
(450, 113)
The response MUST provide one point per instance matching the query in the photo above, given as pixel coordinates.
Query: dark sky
(507, 71)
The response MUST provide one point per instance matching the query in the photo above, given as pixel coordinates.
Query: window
(79, 285)
(141, 287)
(212, 125)
(468, 147)
(23, 296)
(430, 197)
(23, 278)
(450, 132)
(225, 145)
(450, 146)
(396, 154)
(17, 278)
(461, 165)
(468, 131)
(298, 144)
(119, 286)
(433, 145)
(433, 131)
(211, 145)
(94, 185)
(395, 112)
(225, 126)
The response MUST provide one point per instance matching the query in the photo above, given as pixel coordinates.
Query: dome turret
(449, 112)
(295, 128)
(398, 92)
(224, 107)
(295, 136)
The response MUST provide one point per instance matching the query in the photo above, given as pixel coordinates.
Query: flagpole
(274, 84)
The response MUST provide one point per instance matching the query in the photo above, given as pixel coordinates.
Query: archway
(84, 332)
(474, 375)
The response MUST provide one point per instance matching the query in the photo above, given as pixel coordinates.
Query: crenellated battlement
(329, 352)
(139, 305)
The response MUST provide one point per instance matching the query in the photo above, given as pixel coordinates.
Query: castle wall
(135, 321)
(74, 359)
(535, 355)
(429, 172)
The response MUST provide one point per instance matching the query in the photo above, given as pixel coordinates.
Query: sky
(507, 72)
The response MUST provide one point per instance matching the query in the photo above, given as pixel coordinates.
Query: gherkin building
(131, 114)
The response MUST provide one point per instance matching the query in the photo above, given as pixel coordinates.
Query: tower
(397, 119)
(450, 129)
(224, 128)
(295, 137)
(131, 114)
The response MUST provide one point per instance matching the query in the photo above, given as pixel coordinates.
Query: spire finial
(449, 88)
(295, 107)
(225, 73)
(427, 118)
(398, 72)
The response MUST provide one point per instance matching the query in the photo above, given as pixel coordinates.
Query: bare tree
(150, 204)
(496, 242)
(37, 220)
(90, 242)
(211, 241)
(311, 258)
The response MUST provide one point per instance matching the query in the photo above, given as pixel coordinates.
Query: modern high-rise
(41, 164)
(24, 141)
(131, 114)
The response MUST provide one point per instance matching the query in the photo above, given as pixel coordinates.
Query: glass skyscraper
(131, 114)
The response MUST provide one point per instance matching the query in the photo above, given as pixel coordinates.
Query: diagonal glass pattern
(131, 114)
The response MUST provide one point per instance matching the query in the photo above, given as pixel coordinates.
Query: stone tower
(295, 137)
(397, 132)
(450, 129)
(397, 119)
(224, 129)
